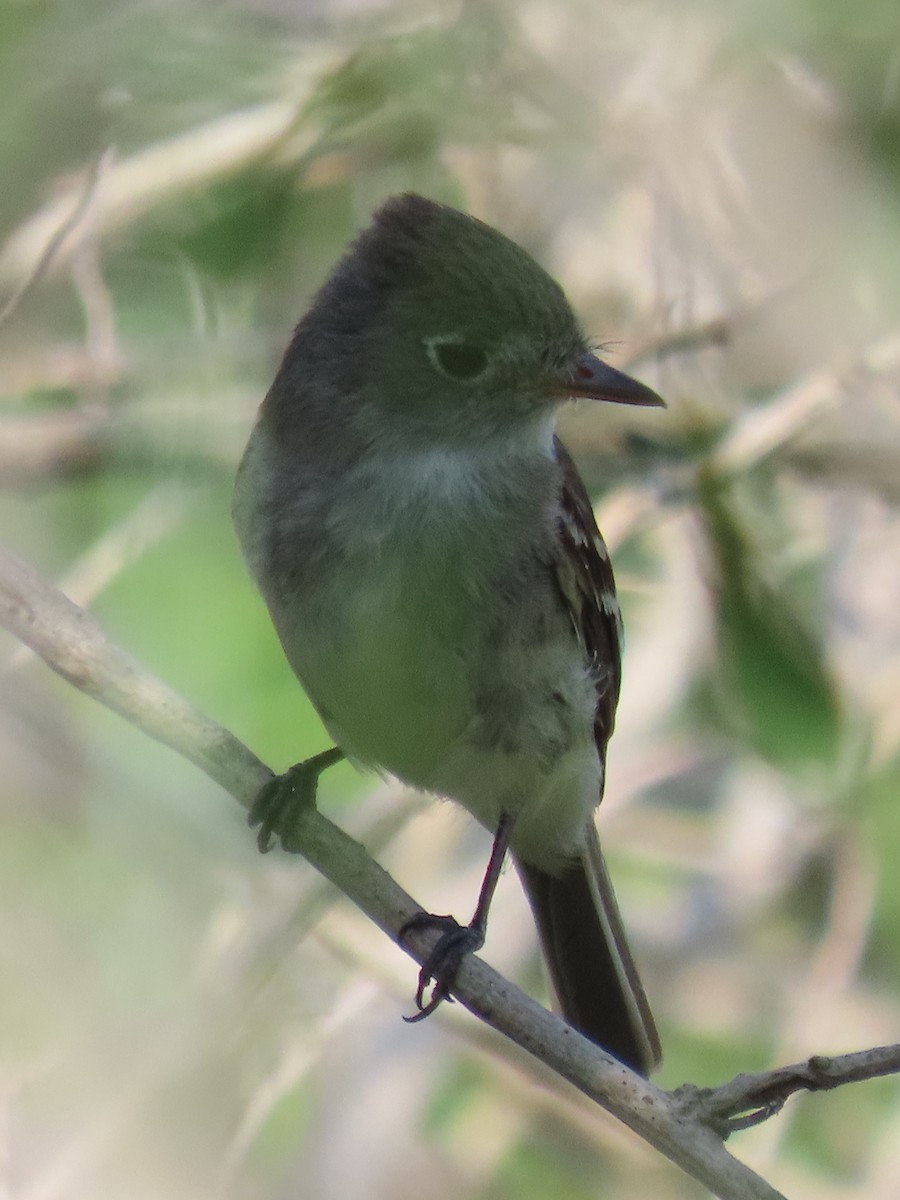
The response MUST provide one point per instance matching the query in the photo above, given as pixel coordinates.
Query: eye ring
(457, 359)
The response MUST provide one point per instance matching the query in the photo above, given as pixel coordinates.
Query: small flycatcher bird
(432, 565)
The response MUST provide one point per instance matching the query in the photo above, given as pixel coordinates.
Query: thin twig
(717, 331)
(54, 242)
(748, 1100)
(763, 431)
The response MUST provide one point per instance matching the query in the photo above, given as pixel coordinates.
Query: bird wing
(585, 581)
(594, 975)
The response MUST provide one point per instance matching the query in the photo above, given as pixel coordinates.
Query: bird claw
(451, 949)
(280, 803)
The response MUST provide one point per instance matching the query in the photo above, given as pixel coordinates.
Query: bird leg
(457, 941)
(280, 802)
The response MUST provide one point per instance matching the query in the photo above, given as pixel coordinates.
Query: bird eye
(457, 359)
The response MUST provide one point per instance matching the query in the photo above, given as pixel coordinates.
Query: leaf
(777, 690)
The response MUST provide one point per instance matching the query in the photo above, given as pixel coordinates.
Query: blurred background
(718, 188)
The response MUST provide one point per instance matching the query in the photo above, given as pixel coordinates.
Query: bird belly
(408, 681)
(384, 668)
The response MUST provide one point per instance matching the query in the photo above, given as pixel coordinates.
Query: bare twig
(717, 331)
(760, 432)
(687, 1126)
(97, 305)
(770, 428)
(65, 224)
(751, 1099)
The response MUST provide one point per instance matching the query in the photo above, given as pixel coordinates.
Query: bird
(432, 566)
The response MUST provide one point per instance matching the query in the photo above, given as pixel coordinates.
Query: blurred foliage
(717, 188)
(774, 680)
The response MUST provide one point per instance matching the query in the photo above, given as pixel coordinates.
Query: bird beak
(598, 381)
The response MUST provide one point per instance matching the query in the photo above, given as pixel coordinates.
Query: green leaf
(775, 686)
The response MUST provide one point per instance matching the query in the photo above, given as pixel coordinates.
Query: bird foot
(280, 803)
(454, 945)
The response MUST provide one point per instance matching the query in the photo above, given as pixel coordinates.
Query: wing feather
(584, 577)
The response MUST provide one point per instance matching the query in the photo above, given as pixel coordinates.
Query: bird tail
(586, 951)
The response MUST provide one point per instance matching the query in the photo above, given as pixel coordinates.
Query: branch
(717, 331)
(687, 1126)
(56, 236)
(749, 1100)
